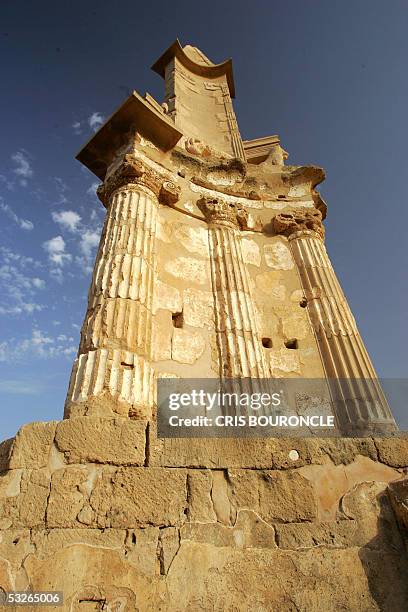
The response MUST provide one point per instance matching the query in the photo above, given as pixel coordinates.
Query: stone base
(118, 520)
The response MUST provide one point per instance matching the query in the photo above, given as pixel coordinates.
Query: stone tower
(211, 264)
(212, 260)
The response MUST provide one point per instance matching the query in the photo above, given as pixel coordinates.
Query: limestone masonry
(211, 264)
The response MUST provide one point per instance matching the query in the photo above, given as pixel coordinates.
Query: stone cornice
(133, 172)
(219, 212)
(136, 114)
(211, 71)
(298, 221)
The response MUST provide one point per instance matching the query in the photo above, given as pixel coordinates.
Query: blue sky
(329, 77)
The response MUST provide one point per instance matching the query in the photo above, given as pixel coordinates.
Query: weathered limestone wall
(208, 267)
(101, 510)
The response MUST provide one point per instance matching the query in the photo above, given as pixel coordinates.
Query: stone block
(68, 497)
(398, 494)
(49, 541)
(93, 577)
(287, 496)
(200, 505)
(336, 534)
(283, 496)
(393, 451)
(278, 256)
(189, 269)
(135, 497)
(187, 346)
(98, 440)
(142, 549)
(32, 445)
(169, 543)
(266, 453)
(249, 531)
(167, 297)
(368, 503)
(198, 308)
(162, 334)
(32, 501)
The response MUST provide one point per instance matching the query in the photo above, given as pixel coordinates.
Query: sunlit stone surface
(211, 264)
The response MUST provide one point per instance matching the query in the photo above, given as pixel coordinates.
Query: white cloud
(89, 241)
(39, 344)
(38, 283)
(92, 189)
(55, 247)
(26, 225)
(67, 219)
(23, 167)
(20, 387)
(61, 188)
(9, 184)
(18, 289)
(22, 223)
(95, 121)
(9, 257)
(77, 127)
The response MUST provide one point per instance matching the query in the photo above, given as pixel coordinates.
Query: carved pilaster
(357, 395)
(114, 358)
(239, 343)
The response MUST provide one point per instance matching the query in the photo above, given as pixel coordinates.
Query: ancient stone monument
(212, 264)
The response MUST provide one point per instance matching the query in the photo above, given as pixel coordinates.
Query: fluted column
(358, 399)
(113, 372)
(238, 339)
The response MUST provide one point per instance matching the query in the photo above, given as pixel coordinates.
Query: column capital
(132, 171)
(219, 212)
(298, 222)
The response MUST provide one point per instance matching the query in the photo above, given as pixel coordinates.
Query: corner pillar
(359, 402)
(113, 373)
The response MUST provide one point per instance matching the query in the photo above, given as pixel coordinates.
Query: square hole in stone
(267, 343)
(178, 319)
(291, 344)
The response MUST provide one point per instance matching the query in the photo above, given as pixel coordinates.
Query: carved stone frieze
(169, 193)
(198, 147)
(219, 212)
(132, 171)
(288, 223)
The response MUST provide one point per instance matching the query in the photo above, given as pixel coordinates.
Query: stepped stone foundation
(211, 264)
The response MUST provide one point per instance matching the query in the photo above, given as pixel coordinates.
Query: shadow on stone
(385, 560)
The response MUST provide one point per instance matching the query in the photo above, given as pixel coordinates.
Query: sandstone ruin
(212, 263)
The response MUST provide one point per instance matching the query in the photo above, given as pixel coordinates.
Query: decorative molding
(219, 212)
(288, 223)
(169, 193)
(132, 171)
